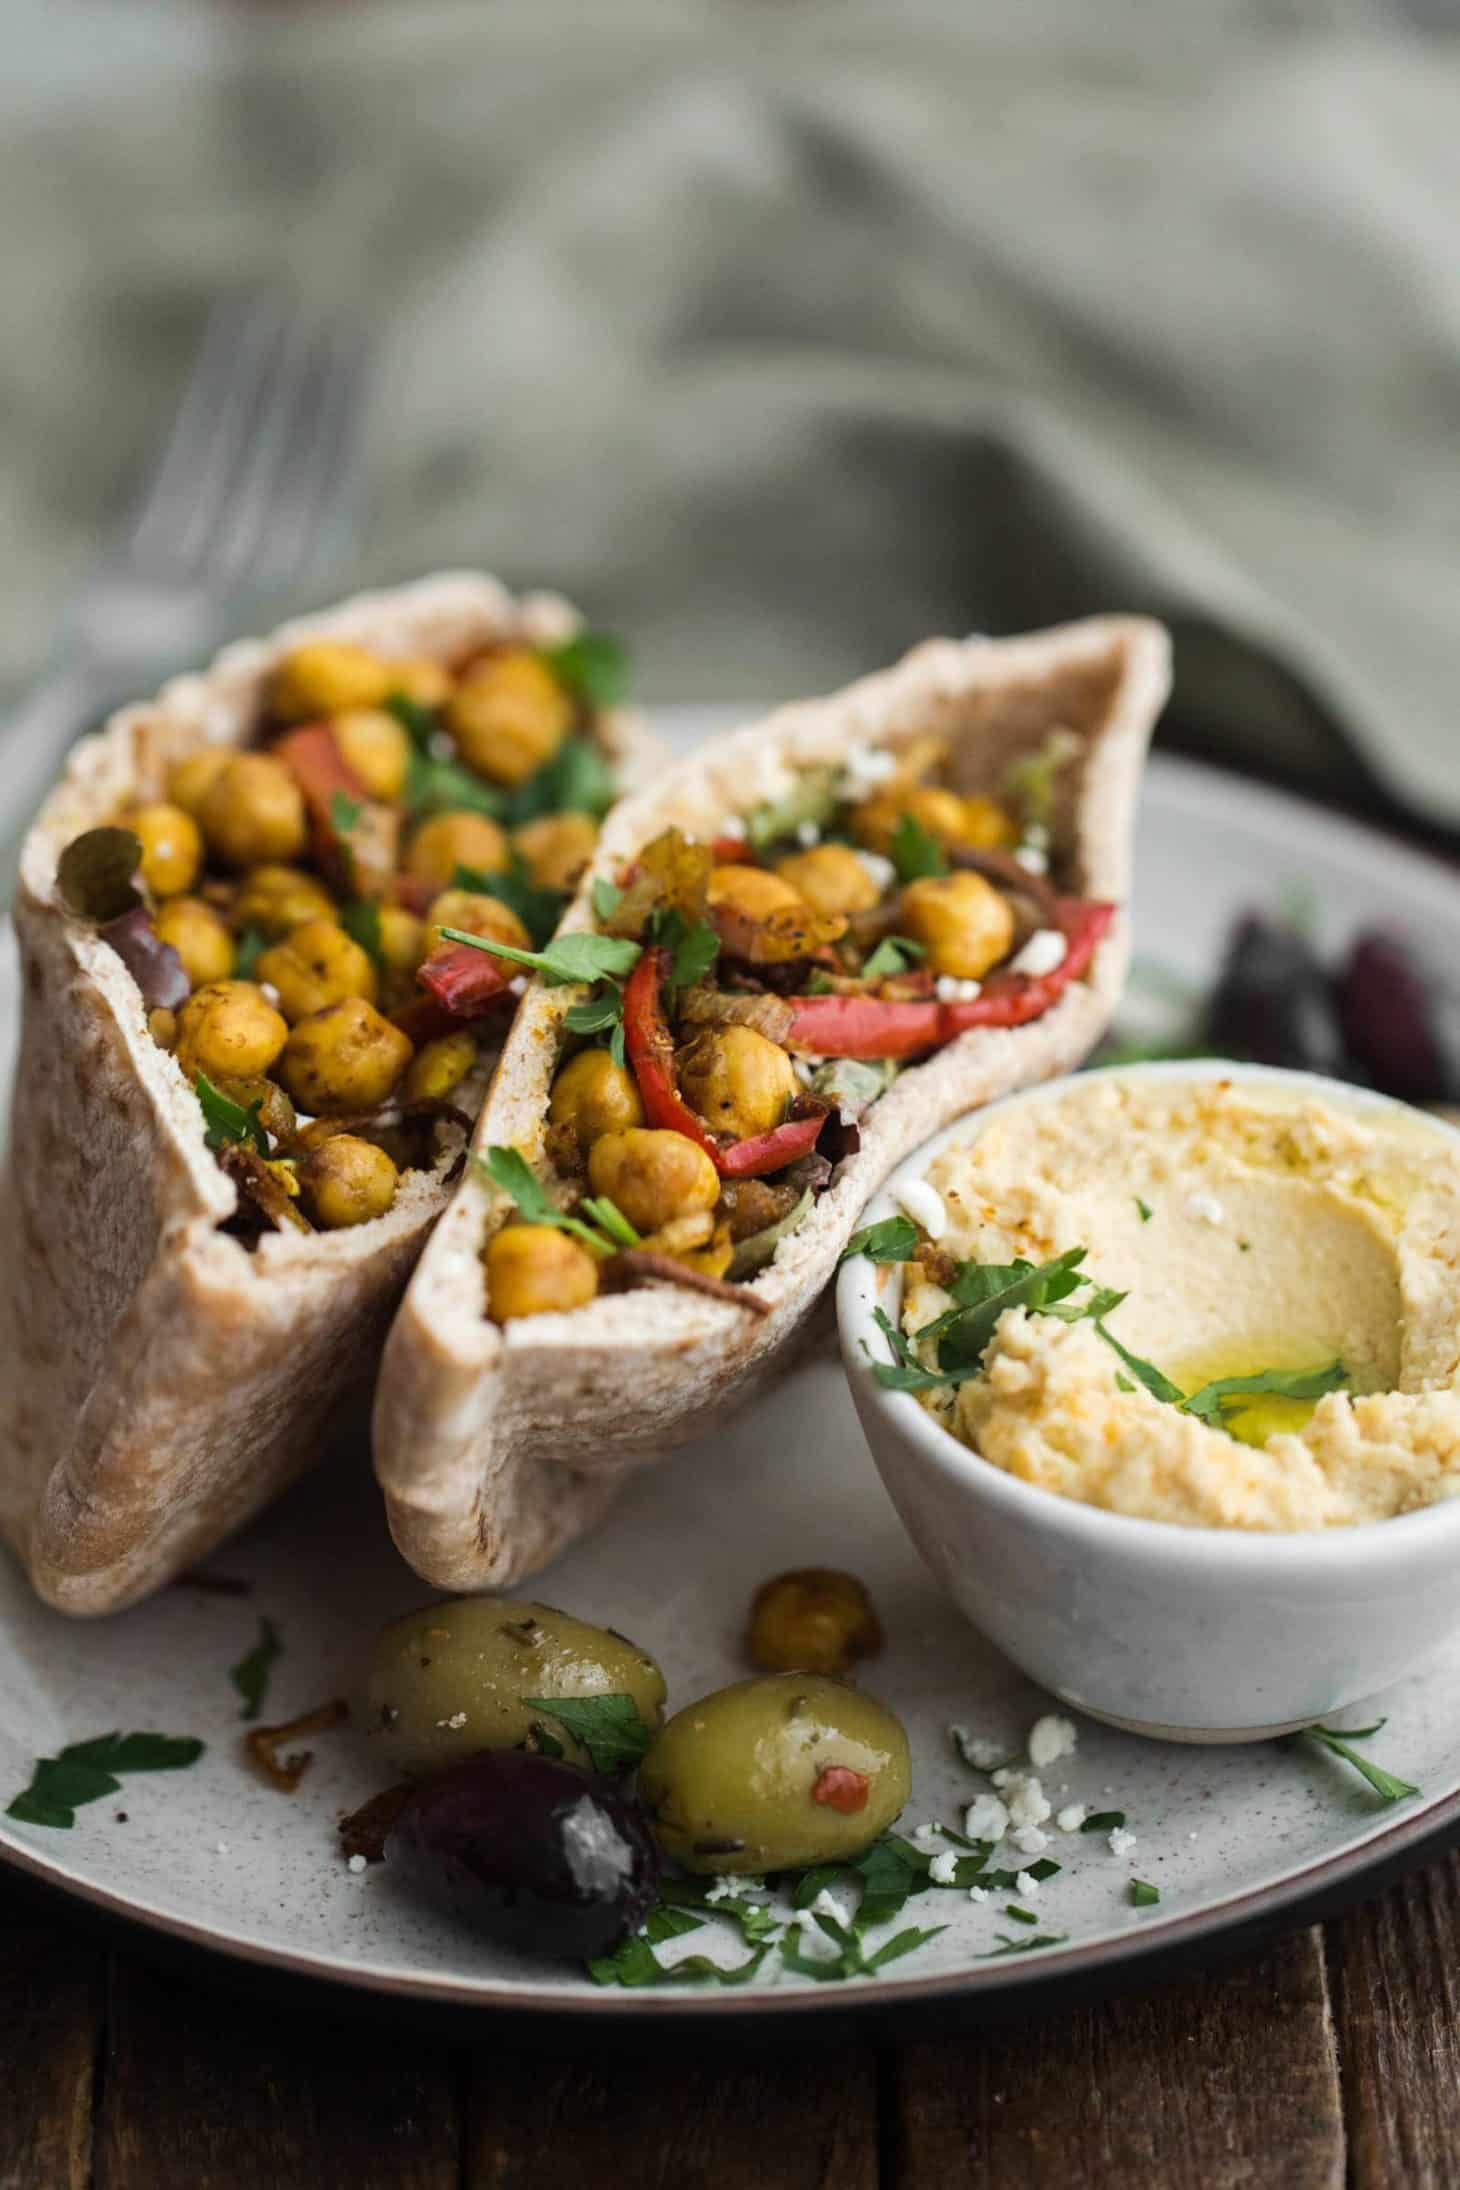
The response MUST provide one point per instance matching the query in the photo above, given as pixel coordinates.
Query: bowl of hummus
(1161, 1368)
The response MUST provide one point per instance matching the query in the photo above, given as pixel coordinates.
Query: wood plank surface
(1224, 2081)
(51, 1984)
(792, 2119)
(217, 2089)
(1394, 1968)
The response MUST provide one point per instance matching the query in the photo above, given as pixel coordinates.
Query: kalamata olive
(1401, 1018)
(94, 873)
(154, 965)
(529, 1852)
(1274, 1001)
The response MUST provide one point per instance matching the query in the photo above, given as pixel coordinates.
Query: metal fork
(251, 489)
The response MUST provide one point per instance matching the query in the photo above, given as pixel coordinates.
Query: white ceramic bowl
(1189, 1634)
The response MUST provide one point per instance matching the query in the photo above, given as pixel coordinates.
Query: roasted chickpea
(326, 677)
(275, 1111)
(556, 848)
(775, 1774)
(536, 1270)
(738, 1081)
(402, 939)
(475, 914)
(280, 899)
(592, 1096)
(172, 846)
(189, 778)
(253, 811)
(200, 936)
(831, 878)
(438, 1068)
(344, 1058)
(987, 826)
(347, 1181)
(416, 677)
(230, 1031)
(508, 715)
(652, 1175)
(976, 822)
(375, 745)
(457, 839)
(961, 920)
(815, 1620)
(316, 965)
(753, 891)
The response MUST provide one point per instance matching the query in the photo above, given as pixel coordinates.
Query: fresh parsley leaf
(609, 1727)
(226, 1122)
(344, 813)
(914, 852)
(1144, 1372)
(1144, 1210)
(593, 666)
(575, 957)
(893, 1240)
(251, 1674)
(85, 1771)
(1215, 1401)
(1009, 1944)
(419, 722)
(894, 954)
(904, 1943)
(509, 1169)
(635, 1963)
(577, 780)
(819, 983)
(249, 947)
(819, 1879)
(852, 1959)
(610, 1219)
(538, 909)
(988, 1290)
(1386, 1785)
(1103, 1821)
(905, 1373)
(811, 798)
(1124, 1383)
(607, 897)
(891, 1871)
(546, 1744)
(692, 946)
(438, 786)
(1141, 1895)
(361, 919)
(597, 1013)
(1006, 1881)
(664, 1922)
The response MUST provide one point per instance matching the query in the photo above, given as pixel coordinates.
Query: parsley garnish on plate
(609, 1727)
(226, 1123)
(1009, 1944)
(251, 1674)
(574, 957)
(635, 1963)
(1142, 1895)
(914, 852)
(893, 1240)
(1103, 1821)
(1386, 1785)
(608, 1230)
(85, 1771)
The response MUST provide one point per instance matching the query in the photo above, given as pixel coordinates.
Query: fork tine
(318, 467)
(261, 480)
(216, 400)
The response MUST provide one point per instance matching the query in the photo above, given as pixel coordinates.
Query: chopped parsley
(575, 957)
(226, 1123)
(361, 920)
(439, 786)
(915, 852)
(85, 1771)
(577, 780)
(1141, 1895)
(537, 908)
(1103, 1821)
(1155, 1380)
(894, 954)
(509, 1169)
(609, 1727)
(592, 665)
(607, 897)
(1020, 1916)
(693, 946)
(635, 1963)
(247, 951)
(982, 1292)
(1386, 1785)
(344, 813)
(893, 1240)
(1144, 1210)
(601, 1013)
(1009, 1944)
(1215, 1401)
(251, 1674)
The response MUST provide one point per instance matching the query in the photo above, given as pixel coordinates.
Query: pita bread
(496, 1446)
(161, 1382)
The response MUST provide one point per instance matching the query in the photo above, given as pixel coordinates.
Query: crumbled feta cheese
(1121, 1842)
(1031, 859)
(1002, 1776)
(951, 990)
(986, 1819)
(978, 1893)
(456, 1721)
(223, 1847)
(1028, 1802)
(357, 1864)
(1030, 1839)
(1205, 1209)
(1043, 953)
(1071, 1817)
(943, 1870)
(1026, 1883)
(926, 1835)
(978, 1750)
(1051, 1738)
(878, 868)
(825, 1905)
(865, 768)
(924, 1204)
(518, 984)
(807, 834)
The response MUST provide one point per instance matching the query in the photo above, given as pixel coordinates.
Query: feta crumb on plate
(1026, 1883)
(943, 1870)
(1121, 1841)
(1071, 1817)
(1051, 1738)
(357, 1864)
(986, 1819)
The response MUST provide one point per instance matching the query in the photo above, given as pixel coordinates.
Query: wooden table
(1331, 2058)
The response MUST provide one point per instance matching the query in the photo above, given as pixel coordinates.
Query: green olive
(450, 1680)
(775, 1774)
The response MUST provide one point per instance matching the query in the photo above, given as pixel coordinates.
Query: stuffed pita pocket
(800, 952)
(249, 1064)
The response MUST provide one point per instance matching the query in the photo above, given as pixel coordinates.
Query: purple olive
(1274, 1001)
(1401, 1018)
(530, 1852)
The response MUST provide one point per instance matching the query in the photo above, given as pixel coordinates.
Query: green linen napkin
(783, 336)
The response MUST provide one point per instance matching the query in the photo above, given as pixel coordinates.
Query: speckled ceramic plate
(1229, 1837)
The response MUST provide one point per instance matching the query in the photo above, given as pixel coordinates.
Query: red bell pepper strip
(1012, 999)
(649, 1047)
(416, 893)
(313, 757)
(465, 982)
(863, 1026)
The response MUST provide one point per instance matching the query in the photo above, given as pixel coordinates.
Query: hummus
(1250, 1231)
